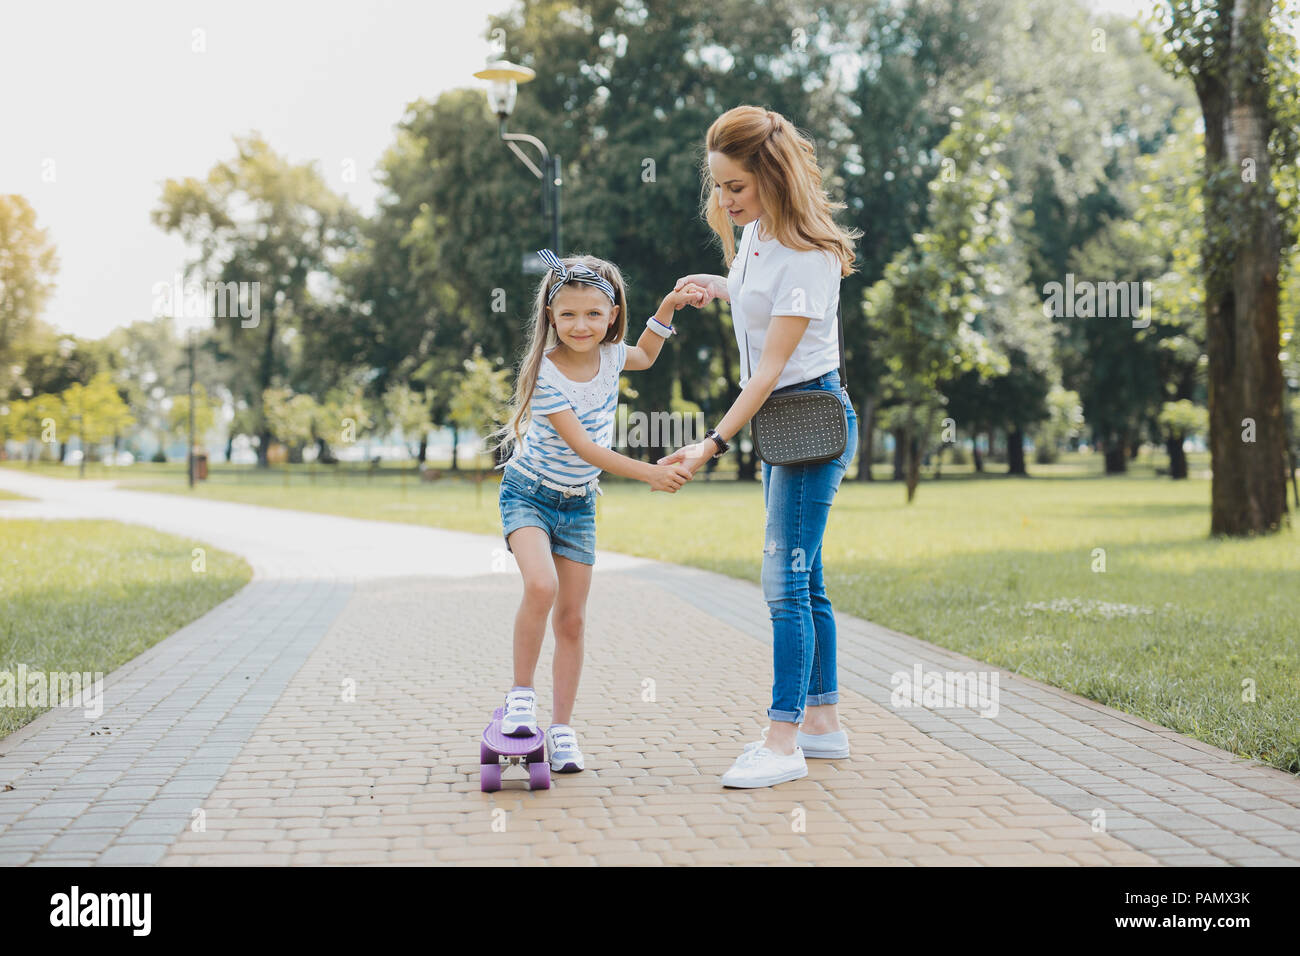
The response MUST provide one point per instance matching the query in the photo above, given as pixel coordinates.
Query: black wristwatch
(722, 445)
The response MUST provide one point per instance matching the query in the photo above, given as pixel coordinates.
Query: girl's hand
(715, 287)
(691, 456)
(688, 294)
(669, 477)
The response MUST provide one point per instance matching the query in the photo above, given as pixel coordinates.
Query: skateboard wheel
(539, 776)
(489, 777)
(487, 755)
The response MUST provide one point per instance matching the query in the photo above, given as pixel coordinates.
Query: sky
(104, 102)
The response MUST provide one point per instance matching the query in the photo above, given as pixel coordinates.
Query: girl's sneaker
(520, 718)
(562, 748)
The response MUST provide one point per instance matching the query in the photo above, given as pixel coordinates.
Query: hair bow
(574, 273)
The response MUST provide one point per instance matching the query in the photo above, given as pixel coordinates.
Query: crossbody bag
(799, 428)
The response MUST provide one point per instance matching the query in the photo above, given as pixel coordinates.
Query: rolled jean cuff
(821, 700)
(786, 716)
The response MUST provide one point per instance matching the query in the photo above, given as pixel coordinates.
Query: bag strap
(839, 315)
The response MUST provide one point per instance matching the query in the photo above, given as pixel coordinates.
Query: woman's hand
(715, 287)
(669, 477)
(691, 456)
(686, 294)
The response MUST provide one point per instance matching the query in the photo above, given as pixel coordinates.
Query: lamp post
(190, 320)
(505, 78)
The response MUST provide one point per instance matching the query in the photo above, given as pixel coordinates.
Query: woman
(783, 288)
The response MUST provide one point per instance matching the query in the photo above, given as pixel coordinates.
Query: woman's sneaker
(562, 748)
(760, 767)
(832, 746)
(520, 717)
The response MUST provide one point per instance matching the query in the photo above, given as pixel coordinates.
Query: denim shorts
(570, 522)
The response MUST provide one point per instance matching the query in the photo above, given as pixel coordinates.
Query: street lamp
(505, 78)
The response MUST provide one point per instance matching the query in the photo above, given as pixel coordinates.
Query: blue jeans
(798, 499)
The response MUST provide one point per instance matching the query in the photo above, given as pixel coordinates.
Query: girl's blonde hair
(542, 337)
(789, 184)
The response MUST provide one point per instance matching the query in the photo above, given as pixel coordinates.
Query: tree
(290, 419)
(1178, 420)
(342, 418)
(95, 412)
(408, 411)
(480, 400)
(28, 264)
(1065, 417)
(931, 309)
(276, 229)
(205, 414)
(1241, 62)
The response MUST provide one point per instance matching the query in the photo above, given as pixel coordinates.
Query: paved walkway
(329, 713)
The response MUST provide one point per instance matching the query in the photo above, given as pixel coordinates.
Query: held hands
(691, 456)
(669, 477)
(686, 293)
(713, 287)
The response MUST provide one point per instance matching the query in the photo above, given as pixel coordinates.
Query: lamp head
(505, 78)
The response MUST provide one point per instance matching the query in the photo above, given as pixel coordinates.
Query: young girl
(568, 393)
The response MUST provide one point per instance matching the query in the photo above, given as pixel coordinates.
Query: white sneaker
(562, 748)
(832, 746)
(760, 767)
(520, 718)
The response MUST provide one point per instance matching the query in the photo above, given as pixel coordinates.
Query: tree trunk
(424, 450)
(900, 453)
(455, 448)
(866, 438)
(977, 455)
(1116, 452)
(913, 465)
(1016, 452)
(264, 378)
(324, 454)
(750, 465)
(230, 446)
(1248, 492)
(1177, 457)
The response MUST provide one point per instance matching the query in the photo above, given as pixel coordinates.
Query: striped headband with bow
(574, 273)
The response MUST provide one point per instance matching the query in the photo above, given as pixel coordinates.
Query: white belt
(570, 491)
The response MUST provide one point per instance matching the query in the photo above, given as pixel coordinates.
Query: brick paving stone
(416, 624)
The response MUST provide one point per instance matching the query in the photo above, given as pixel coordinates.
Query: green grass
(87, 596)
(11, 496)
(1175, 630)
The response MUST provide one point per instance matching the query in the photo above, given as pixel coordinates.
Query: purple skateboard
(530, 751)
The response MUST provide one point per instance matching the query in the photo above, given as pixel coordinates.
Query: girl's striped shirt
(542, 451)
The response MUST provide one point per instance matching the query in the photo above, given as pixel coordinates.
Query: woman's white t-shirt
(783, 281)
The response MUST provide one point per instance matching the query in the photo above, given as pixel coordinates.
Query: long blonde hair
(789, 184)
(542, 337)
